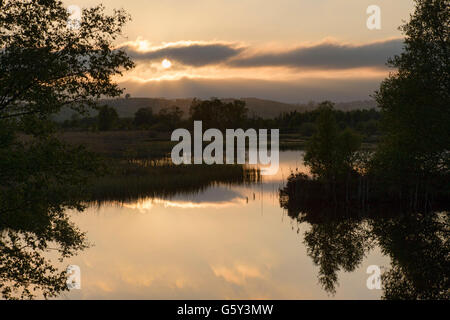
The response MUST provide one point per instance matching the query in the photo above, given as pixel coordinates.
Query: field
(141, 144)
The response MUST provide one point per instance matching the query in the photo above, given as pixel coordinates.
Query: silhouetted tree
(330, 152)
(217, 114)
(321, 149)
(107, 118)
(44, 65)
(307, 129)
(170, 117)
(144, 117)
(415, 104)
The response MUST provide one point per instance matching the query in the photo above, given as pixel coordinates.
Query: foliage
(365, 122)
(217, 114)
(44, 65)
(415, 104)
(307, 129)
(41, 180)
(107, 118)
(330, 152)
(170, 118)
(144, 118)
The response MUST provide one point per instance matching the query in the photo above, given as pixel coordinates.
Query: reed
(137, 179)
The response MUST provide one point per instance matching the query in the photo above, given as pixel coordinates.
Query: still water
(225, 242)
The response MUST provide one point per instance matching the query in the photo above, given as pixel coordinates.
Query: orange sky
(286, 50)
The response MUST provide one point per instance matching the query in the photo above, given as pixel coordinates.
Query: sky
(286, 50)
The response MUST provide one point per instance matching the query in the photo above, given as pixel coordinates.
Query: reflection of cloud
(145, 205)
(102, 286)
(214, 197)
(326, 55)
(190, 205)
(216, 194)
(148, 204)
(137, 279)
(238, 274)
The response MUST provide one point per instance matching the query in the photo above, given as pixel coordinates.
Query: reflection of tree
(24, 270)
(338, 237)
(418, 245)
(39, 183)
(335, 244)
(419, 248)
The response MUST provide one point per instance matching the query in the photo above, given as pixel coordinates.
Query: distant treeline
(363, 121)
(219, 114)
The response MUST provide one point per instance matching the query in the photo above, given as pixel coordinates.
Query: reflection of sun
(166, 64)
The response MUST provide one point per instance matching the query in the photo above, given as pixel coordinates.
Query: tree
(215, 113)
(170, 117)
(144, 117)
(107, 118)
(330, 152)
(307, 129)
(415, 104)
(321, 149)
(44, 66)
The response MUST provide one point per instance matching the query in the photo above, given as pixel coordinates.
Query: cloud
(192, 54)
(329, 70)
(326, 55)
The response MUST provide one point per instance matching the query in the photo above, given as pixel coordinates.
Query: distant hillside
(259, 107)
(353, 105)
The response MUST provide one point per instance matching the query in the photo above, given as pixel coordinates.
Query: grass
(141, 144)
(121, 144)
(133, 180)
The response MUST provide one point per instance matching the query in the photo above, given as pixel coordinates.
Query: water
(226, 242)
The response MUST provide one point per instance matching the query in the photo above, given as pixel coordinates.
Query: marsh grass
(121, 144)
(137, 179)
(144, 145)
(139, 166)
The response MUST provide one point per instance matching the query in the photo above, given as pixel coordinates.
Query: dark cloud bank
(327, 56)
(320, 56)
(193, 55)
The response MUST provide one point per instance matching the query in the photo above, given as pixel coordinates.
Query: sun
(166, 64)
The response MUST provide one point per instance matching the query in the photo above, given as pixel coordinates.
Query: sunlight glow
(166, 64)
